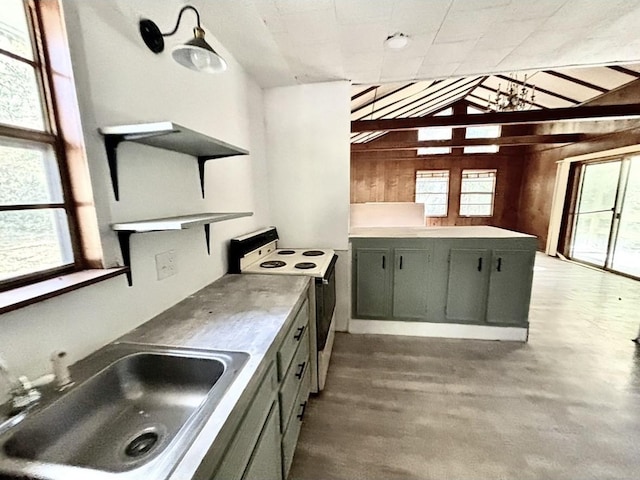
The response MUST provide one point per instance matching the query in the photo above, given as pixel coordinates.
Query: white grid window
(35, 214)
(436, 133)
(477, 193)
(481, 131)
(432, 189)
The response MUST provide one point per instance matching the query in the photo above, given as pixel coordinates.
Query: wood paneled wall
(391, 177)
(539, 173)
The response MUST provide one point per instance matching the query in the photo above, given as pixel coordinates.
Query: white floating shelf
(169, 136)
(126, 229)
(177, 223)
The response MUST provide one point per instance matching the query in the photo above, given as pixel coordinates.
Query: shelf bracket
(207, 236)
(111, 143)
(201, 163)
(125, 248)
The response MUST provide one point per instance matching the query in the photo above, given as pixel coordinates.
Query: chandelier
(518, 95)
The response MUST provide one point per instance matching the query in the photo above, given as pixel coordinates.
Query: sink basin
(122, 418)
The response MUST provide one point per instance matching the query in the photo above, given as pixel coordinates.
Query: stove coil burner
(273, 264)
(313, 253)
(305, 265)
(286, 252)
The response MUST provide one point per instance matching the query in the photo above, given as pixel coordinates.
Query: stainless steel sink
(139, 408)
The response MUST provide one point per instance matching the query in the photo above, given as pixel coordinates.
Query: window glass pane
(20, 103)
(432, 189)
(14, 32)
(28, 174)
(481, 149)
(476, 210)
(483, 131)
(476, 198)
(33, 240)
(477, 185)
(434, 133)
(477, 192)
(433, 150)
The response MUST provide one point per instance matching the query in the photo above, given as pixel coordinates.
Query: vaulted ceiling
(553, 89)
(284, 42)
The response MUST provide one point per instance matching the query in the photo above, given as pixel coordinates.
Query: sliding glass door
(606, 227)
(626, 249)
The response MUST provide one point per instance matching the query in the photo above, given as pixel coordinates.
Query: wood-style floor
(564, 406)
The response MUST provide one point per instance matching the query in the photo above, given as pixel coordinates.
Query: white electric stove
(258, 252)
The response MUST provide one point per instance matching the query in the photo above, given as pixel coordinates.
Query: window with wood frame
(39, 233)
(477, 192)
(432, 189)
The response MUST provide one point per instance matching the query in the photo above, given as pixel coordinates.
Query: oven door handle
(330, 270)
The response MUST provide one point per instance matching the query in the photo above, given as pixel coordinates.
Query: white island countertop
(435, 232)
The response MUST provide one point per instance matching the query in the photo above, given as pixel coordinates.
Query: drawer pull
(300, 370)
(301, 414)
(298, 335)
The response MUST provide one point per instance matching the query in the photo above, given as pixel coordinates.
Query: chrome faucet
(22, 391)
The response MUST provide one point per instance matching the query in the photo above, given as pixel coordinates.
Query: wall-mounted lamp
(196, 54)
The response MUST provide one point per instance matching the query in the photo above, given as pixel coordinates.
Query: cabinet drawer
(293, 379)
(290, 437)
(293, 339)
(237, 456)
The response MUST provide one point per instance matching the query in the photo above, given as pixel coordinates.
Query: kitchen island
(457, 282)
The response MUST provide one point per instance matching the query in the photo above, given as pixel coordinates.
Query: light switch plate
(166, 265)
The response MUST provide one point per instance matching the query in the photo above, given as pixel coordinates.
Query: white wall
(120, 81)
(308, 130)
(308, 153)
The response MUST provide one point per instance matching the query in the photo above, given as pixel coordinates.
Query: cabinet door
(510, 286)
(410, 281)
(266, 460)
(372, 282)
(467, 285)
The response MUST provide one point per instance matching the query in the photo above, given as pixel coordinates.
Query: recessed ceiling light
(397, 41)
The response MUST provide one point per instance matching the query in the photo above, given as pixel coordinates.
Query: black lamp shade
(198, 55)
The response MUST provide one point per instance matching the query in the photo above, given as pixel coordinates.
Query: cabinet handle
(301, 414)
(480, 264)
(300, 370)
(400, 262)
(298, 335)
(384, 260)
(499, 264)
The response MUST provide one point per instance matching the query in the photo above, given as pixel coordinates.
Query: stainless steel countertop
(237, 312)
(246, 313)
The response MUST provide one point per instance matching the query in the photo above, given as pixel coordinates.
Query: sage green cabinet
(265, 462)
(467, 285)
(410, 279)
(457, 280)
(264, 442)
(510, 286)
(391, 283)
(373, 274)
(489, 286)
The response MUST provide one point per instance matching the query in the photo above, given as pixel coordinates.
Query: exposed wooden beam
(377, 99)
(470, 142)
(626, 71)
(364, 92)
(569, 78)
(568, 114)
